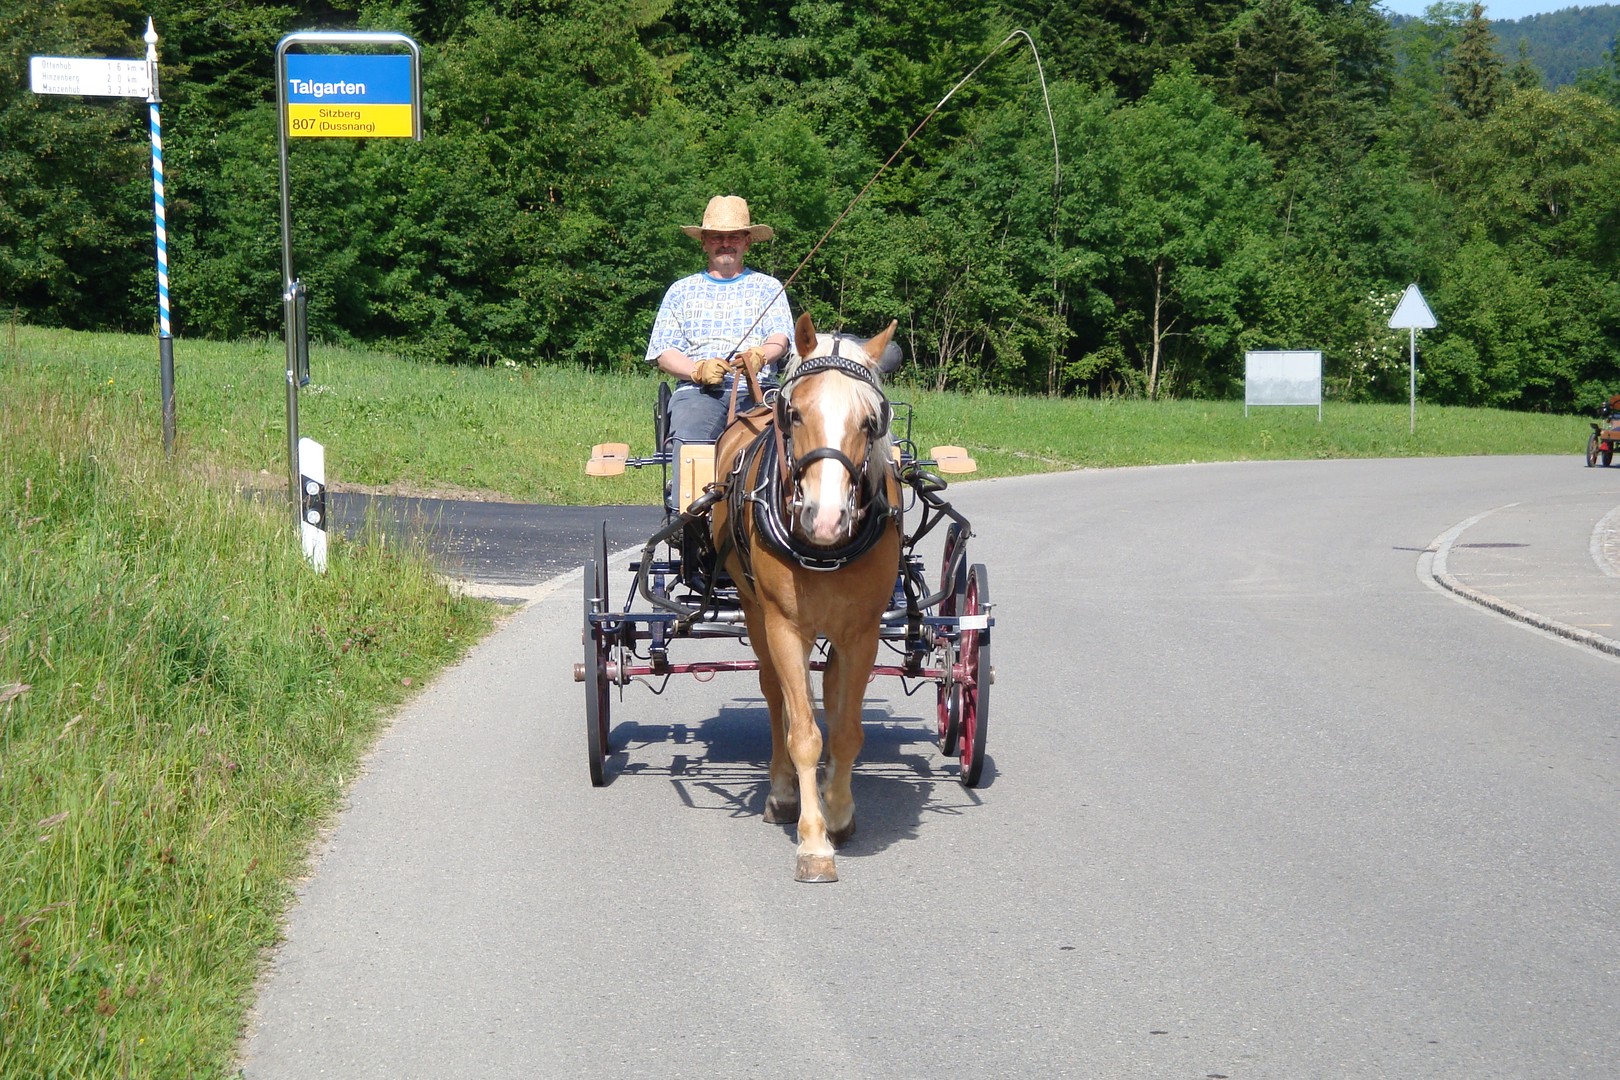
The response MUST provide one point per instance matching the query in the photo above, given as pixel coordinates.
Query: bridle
(862, 477)
(775, 484)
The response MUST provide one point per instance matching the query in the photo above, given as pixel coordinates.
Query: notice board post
(330, 94)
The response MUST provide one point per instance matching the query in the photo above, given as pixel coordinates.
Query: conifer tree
(1474, 74)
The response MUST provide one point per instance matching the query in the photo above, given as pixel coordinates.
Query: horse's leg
(782, 803)
(789, 654)
(843, 689)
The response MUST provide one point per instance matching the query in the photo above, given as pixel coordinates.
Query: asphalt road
(1262, 803)
(506, 551)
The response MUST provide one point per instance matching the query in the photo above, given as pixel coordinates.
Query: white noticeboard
(89, 76)
(1283, 377)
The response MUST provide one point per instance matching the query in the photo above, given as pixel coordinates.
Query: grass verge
(523, 434)
(182, 702)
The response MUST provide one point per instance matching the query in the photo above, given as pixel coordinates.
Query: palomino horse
(810, 533)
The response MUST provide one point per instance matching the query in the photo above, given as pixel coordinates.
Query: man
(714, 323)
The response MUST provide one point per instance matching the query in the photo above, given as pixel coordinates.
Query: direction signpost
(88, 76)
(1412, 314)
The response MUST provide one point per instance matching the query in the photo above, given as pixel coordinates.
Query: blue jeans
(698, 413)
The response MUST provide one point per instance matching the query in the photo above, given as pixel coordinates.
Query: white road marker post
(312, 517)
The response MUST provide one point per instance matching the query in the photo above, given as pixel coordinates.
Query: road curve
(1260, 804)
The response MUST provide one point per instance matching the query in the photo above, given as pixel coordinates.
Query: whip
(1056, 164)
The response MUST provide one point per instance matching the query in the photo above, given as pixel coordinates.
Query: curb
(1440, 548)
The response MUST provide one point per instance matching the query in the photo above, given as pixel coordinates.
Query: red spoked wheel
(598, 708)
(973, 689)
(1592, 450)
(953, 583)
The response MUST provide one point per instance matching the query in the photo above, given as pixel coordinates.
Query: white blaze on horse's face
(828, 515)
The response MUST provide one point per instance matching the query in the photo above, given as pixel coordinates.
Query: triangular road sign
(1412, 313)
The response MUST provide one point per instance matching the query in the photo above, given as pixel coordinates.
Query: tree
(1531, 296)
(1184, 230)
(1279, 78)
(75, 185)
(1474, 72)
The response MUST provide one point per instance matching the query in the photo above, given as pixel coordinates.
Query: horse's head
(834, 421)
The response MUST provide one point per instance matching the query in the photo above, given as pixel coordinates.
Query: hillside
(1561, 43)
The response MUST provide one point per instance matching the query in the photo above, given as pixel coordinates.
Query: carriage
(934, 629)
(1605, 437)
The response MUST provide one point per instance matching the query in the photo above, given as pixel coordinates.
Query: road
(1263, 803)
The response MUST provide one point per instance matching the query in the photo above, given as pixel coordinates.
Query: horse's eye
(794, 417)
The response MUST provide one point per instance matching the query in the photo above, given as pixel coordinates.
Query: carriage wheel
(1592, 450)
(977, 673)
(950, 699)
(598, 708)
(1607, 452)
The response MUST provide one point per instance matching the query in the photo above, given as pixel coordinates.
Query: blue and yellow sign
(349, 97)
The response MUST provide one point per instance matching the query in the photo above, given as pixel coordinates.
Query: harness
(769, 459)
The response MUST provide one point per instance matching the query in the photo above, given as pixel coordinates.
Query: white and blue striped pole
(161, 228)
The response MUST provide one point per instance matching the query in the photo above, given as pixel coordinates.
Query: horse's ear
(804, 335)
(875, 346)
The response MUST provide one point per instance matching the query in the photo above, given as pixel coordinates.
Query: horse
(810, 532)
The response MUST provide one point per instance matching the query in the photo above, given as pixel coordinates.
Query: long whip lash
(1056, 167)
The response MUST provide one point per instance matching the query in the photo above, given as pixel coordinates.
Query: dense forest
(1230, 175)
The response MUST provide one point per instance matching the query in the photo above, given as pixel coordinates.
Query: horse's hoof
(840, 836)
(780, 811)
(814, 868)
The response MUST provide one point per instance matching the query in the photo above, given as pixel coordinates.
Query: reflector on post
(312, 501)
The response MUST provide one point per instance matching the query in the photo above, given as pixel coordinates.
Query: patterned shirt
(705, 316)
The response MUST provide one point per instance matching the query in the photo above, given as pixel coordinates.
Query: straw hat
(728, 213)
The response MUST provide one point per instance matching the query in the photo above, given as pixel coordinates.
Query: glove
(753, 359)
(710, 372)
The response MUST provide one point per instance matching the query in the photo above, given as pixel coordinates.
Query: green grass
(524, 434)
(182, 702)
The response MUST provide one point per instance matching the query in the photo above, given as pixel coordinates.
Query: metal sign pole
(1412, 314)
(350, 101)
(161, 230)
(1412, 368)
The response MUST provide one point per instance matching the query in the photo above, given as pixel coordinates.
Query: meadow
(523, 433)
(183, 701)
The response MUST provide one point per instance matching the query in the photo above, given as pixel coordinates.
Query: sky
(1501, 9)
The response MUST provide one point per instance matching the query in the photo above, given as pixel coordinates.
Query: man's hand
(710, 372)
(753, 359)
